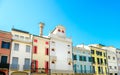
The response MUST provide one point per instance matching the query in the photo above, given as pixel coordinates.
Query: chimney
(41, 28)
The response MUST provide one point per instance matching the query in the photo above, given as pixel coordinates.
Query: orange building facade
(5, 47)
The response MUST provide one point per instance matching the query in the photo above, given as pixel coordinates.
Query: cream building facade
(40, 53)
(20, 59)
(60, 52)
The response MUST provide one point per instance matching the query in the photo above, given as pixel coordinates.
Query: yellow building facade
(99, 60)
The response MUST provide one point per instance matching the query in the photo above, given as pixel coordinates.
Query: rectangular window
(35, 49)
(105, 61)
(93, 59)
(84, 68)
(4, 59)
(74, 57)
(35, 40)
(84, 58)
(22, 37)
(93, 69)
(98, 61)
(101, 61)
(92, 51)
(15, 60)
(46, 42)
(46, 51)
(5, 45)
(27, 48)
(27, 61)
(16, 46)
(80, 58)
(81, 69)
(90, 59)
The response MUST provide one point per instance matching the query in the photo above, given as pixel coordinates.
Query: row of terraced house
(22, 53)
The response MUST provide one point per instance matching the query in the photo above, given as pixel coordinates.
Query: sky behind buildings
(86, 21)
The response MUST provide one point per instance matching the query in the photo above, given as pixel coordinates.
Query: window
(115, 67)
(17, 36)
(93, 60)
(101, 61)
(53, 62)
(53, 49)
(27, 48)
(58, 30)
(90, 59)
(92, 51)
(27, 61)
(113, 58)
(68, 45)
(68, 52)
(26, 38)
(99, 53)
(4, 59)
(84, 58)
(16, 46)
(98, 61)
(46, 51)
(80, 58)
(110, 67)
(47, 43)
(75, 57)
(108, 57)
(35, 49)
(81, 69)
(93, 69)
(22, 37)
(5, 45)
(69, 63)
(84, 68)
(35, 40)
(105, 61)
(62, 31)
(15, 60)
(99, 70)
(104, 54)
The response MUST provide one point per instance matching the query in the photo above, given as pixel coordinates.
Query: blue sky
(86, 21)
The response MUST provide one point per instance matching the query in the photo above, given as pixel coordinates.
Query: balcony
(26, 67)
(22, 39)
(4, 65)
(14, 66)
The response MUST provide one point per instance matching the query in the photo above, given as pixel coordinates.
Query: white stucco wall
(21, 53)
(60, 45)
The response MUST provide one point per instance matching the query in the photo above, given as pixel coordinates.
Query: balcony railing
(14, 66)
(84, 71)
(4, 65)
(26, 67)
(20, 39)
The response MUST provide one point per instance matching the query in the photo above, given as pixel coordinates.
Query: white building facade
(118, 60)
(20, 60)
(60, 52)
(112, 60)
